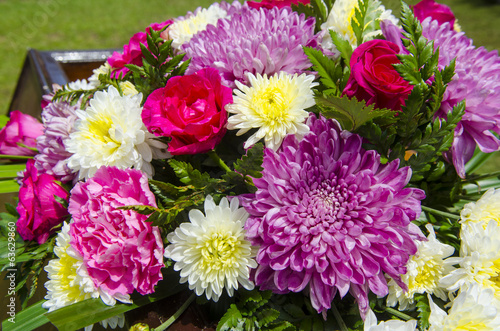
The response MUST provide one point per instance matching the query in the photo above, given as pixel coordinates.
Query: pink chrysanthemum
(328, 217)
(477, 80)
(58, 119)
(264, 41)
(121, 251)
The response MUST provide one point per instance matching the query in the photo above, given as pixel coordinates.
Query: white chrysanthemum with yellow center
(110, 132)
(486, 209)
(424, 270)
(211, 251)
(371, 324)
(475, 309)
(69, 281)
(275, 106)
(102, 70)
(183, 30)
(479, 258)
(343, 12)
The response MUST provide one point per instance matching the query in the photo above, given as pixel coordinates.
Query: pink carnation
(430, 8)
(39, 211)
(132, 53)
(121, 251)
(21, 129)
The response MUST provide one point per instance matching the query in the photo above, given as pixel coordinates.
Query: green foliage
(424, 311)
(30, 318)
(252, 312)
(246, 168)
(351, 113)
(159, 64)
(333, 75)
(3, 120)
(319, 9)
(358, 22)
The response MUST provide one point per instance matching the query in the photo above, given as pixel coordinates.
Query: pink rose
(190, 110)
(132, 53)
(121, 251)
(39, 211)
(439, 12)
(20, 129)
(373, 77)
(275, 3)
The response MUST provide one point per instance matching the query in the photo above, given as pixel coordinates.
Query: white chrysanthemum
(424, 271)
(79, 85)
(275, 106)
(102, 70)
(341, 15)
(111, 132)
(391, 325)
(211, 251)
(182, 31)
(128, 88)
(485, 209)
(69, 281)
(479, 258)
(474, 309)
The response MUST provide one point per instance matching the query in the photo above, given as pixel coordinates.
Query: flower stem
(15, 157)
(339, 319)
(440, 213)
(213, 155)
(397, 313)
(176, 315)
(472, 180)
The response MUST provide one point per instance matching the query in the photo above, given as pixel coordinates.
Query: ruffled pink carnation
(132, 53)
(329, 217)
(121, 251)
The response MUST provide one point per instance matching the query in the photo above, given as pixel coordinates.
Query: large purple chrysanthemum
(264, 41)
(58, 119)
(477, 80)
(329, 217)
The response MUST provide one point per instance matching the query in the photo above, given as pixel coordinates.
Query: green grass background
(94, 24)
(98, 24)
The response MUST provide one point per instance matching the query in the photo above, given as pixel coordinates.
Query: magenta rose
(190, 110)
(121, 251)
(439, 12)
(39, 211)
(275, 3)
(132, 53)
(20, 129)
(373, 77)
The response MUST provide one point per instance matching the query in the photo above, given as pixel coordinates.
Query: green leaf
(188, 175)
(9, 186)
(3, 120)
(351, 113)
(230, 320)
(343, 46)
(424, 311)
(11, 170)
(358, 20)
(251, 163)
(28, 319)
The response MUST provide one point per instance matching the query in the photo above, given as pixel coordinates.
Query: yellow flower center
(66, 279)
(271, 105)
(99, 128)
(471, 326)
(220, 251)
(428, 274)
(490, 277)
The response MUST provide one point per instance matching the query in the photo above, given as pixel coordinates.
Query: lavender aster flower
(264, 41)
(58, 120)
(477, 80)
(329, 217)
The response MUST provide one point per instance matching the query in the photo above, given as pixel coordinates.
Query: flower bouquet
(292, 165)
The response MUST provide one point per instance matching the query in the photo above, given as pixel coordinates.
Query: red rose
(439, 12)
(373, 77)
(39, 212)
(275, 3)
(190, 110)
(20, 129)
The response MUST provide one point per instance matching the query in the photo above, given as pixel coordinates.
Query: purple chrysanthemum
(264, 41)
(58, 120)
(477, 80)
(328, 217)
